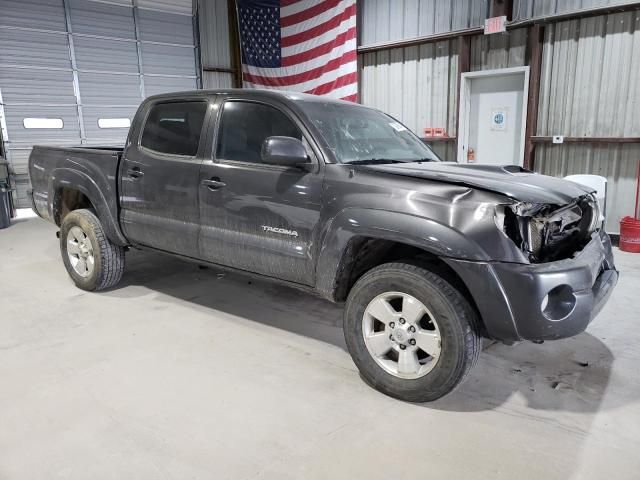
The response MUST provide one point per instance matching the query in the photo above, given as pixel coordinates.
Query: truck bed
(91, 170)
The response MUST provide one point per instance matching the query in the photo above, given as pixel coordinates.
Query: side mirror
(285, 151)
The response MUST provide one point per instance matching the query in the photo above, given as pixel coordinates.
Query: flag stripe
(326, 37)
(319, 30)
(304, 76)
(320, 49)
(341, 92)
(342, 81)
(300, 45)
(309, 14)
(310, 84)
(348, 47)
(296, 7)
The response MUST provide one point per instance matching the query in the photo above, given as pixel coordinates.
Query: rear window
(174, 128)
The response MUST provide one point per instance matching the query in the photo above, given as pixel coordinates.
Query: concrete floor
(186, 373)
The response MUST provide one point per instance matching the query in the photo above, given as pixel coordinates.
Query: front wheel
(411, 334)
(91, 259)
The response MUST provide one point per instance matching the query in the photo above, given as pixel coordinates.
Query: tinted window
(244, 126)
(174, 128)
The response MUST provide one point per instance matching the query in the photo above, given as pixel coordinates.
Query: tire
(108, 259)
(449, 322)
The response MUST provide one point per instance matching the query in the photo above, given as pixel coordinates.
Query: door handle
(135, 172)
(214, 183)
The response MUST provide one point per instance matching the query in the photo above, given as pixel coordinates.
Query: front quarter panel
(449, 221)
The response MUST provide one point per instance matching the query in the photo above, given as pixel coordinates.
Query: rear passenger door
(159, 176)
(258, 217)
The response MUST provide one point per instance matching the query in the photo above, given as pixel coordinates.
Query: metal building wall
(82, 60)
(590, 86)
(418, 84)
(215, 46)
(389, 20)
(523, 9)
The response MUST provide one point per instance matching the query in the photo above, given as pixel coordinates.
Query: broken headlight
(550, 232)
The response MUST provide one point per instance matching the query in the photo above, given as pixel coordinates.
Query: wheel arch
(358, 240)
(71, 190)
(357, 237)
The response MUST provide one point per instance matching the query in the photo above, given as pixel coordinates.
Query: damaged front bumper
(543, 301)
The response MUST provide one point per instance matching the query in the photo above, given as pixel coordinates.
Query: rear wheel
(91, 259)
(411, 334)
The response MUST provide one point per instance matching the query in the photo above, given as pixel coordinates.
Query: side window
(245, 125)
(174, 128)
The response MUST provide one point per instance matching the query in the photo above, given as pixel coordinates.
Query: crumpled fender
(106, 208)
(428, 235)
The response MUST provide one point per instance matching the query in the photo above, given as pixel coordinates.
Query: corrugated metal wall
(418, 84)
(590, 83)
(590, 86)
(83, 60)
(389, 20)
(214, 40)
(415, 84)
(523, 9)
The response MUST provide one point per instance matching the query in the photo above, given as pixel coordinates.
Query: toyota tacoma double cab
(344, 201)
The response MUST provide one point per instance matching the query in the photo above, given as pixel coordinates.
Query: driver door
(258, 217)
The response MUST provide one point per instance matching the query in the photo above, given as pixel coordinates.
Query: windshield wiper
(373, 161)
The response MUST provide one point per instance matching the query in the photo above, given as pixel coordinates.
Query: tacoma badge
(284, 231)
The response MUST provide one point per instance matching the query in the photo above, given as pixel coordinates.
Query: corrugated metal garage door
(88, 63)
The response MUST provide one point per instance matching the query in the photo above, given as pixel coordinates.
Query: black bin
(5, 205)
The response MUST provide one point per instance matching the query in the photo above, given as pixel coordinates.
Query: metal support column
(136, 25)
(74, 67)
(535, 45)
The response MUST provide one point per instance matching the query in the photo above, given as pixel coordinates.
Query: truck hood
(510, 180)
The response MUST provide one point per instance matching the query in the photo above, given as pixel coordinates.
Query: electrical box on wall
(558, 139)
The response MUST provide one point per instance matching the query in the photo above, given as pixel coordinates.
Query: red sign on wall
(495, 25)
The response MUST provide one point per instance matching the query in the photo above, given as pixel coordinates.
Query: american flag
(300, 45)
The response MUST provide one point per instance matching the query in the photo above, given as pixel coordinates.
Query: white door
(493, 117)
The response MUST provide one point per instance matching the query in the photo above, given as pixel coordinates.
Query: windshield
(361, 135)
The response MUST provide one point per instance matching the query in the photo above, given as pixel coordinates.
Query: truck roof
(253, 93)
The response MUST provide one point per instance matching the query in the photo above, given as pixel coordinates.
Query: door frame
(464, 108)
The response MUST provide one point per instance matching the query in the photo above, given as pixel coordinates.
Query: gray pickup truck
(343, 201)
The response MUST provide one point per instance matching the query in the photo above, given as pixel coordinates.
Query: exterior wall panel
(214, 80)
(388, 20)
(156, 85)
(36, 14)
(589, 88)
(107, 89)
(95, 18)
(165, 27)
(523, 9)
(427, 76)
(215, 43)
(38, 49)
(100, 54)
(505, 50)
(618, 163)
(168, 60)
(31, 86)
(81, 60)
(105, 136)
